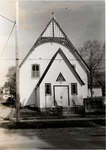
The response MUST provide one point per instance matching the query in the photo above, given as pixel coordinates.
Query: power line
(8, 39)
(7, 18)
(14, 22)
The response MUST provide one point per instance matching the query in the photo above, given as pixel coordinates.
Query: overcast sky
(7, 9)
(80, 20)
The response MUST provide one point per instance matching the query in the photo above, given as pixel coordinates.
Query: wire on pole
(7, 18)
(8, 39)
(17, 68)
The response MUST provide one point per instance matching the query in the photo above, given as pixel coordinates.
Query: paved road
(52, 138)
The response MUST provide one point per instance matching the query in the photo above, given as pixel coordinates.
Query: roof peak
(53, 29)
(52, 13)
(59, 51)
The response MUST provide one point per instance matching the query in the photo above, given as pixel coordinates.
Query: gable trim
(53, 22)
(68, 64)
(61, 40)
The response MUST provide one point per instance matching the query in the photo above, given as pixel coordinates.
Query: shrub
(94, 104)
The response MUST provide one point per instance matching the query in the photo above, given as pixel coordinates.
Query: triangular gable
(53, 29)
(60, 77)
(54, 33)
(68, 64)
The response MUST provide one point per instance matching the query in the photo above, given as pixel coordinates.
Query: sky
(80, 20)
(7, 54)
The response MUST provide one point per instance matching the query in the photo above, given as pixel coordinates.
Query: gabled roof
(53, 29)
(54, 33)
(68, 64)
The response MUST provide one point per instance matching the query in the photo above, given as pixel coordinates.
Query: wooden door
(61, 95)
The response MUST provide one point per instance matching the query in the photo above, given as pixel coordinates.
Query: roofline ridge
(65, 38)
(60, 28)
(45, 28)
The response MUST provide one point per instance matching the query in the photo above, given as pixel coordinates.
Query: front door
(61, 95)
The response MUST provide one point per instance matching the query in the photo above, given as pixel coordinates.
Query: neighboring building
(1, 94)
(100, 79)
(97, 91)
(53, 73)
(1, 91)
(6, 93)
(97, 87)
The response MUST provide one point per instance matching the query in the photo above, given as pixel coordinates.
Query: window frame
(35, 73)
(50, 88)
(76, 89)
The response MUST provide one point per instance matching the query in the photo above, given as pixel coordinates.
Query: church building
(53, 73)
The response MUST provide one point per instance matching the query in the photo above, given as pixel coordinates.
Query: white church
(53, 73)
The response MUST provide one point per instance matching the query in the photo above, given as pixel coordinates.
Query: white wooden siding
(42, 55)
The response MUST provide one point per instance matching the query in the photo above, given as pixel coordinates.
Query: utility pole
(17, 68)
(17, 77)
(17, 64)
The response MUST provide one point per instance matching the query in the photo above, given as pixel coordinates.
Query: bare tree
(92, 52)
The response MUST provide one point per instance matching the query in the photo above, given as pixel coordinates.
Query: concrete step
(70, 122)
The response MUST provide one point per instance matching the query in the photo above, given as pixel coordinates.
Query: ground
(52, 138)
(79, 134)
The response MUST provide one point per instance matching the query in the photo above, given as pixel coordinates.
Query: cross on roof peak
(52, 13)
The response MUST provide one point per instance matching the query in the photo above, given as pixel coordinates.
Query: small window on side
(74, 89)
(35, 70)
(48, 89)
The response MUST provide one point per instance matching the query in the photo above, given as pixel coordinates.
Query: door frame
(54, 93)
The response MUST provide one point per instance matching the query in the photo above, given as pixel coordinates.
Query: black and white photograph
(52, 74)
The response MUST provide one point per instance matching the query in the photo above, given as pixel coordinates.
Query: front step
(73, 111)
(27, 114)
